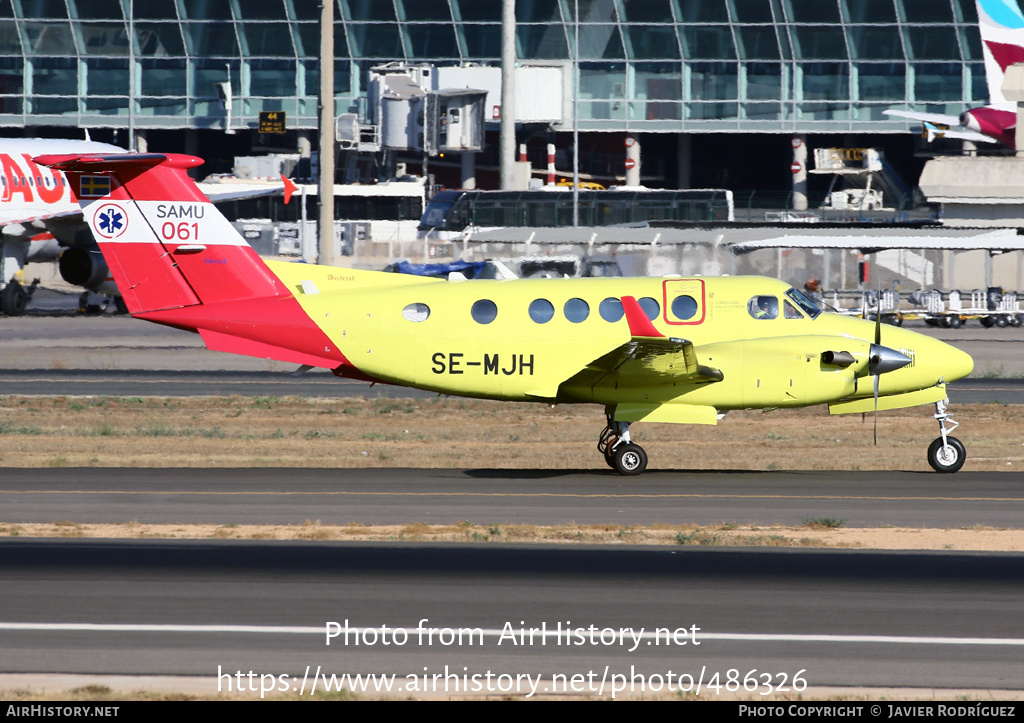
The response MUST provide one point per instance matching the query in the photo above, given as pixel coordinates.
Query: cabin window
(542, 311)
(484, 311)
(651, 307)
(763, 307)
(576, 310)
(684, 307)
(610, 309)
(790, 312)
(416, 312)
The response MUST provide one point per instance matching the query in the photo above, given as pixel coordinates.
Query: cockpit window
(763, 307)
(790, 312)
(809, 307)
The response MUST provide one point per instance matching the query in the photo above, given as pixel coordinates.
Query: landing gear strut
(946, 453)
(619, 451)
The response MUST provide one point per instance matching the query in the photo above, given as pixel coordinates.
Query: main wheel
(949, 458)
(630, 459)
(13, 299)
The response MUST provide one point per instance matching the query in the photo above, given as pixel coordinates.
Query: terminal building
(715, 92)
(713, 89)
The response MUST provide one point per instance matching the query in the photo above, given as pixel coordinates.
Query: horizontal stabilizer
(215, 341)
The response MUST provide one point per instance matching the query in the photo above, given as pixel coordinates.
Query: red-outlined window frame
(665, 302)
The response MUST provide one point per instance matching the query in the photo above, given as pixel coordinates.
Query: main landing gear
(946, 453)
(619, 451)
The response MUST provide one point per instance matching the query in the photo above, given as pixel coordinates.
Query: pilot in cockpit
(763, 307)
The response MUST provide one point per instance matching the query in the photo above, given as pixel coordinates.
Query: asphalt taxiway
(491, 496)
(209, 608)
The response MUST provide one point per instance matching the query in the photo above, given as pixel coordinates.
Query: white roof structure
(954, 239)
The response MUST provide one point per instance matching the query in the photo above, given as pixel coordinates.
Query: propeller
(874, 363)
(882, 359)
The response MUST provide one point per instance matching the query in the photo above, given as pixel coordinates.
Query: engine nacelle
(84, 267)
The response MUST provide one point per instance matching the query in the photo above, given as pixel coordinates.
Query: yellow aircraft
(681, 350)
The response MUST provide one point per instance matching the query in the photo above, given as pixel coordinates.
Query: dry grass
(457, 433)
(724, 535)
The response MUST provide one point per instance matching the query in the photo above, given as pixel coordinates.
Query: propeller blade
(876, 352)
(876, 410)
(878, 316)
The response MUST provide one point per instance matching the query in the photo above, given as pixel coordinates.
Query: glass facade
(645, 65)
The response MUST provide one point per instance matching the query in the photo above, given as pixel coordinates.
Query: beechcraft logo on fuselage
(110, 221)
(456, 363)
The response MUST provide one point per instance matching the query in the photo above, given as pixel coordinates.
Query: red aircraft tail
(177, 261)
(166, 245)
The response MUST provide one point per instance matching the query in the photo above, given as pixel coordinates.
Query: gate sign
(272, 121)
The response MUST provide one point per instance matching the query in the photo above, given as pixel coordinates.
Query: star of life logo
(110, 221)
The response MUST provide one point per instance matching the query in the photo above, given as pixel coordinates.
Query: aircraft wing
(646, 362)
(963, 135)
(6, 219)
(648, 359)
(947, 120)
(937, 125)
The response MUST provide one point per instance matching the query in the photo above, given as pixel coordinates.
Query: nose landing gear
(619, 451)
(946, 453)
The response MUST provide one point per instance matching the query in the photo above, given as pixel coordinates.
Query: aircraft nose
(956, 363)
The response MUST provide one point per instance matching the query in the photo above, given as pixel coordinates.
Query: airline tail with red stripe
(178, 261)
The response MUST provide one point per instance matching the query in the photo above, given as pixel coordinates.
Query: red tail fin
(166, 245)
(177, 260)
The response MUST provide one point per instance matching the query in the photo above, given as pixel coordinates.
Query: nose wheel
(947, 453)
(619, 451)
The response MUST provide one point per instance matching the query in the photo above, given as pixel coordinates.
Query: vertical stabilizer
(166, 244)
(177, 260)
(1002, 37)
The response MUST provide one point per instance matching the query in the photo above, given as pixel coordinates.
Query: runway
(198, 608)
(488, 496)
